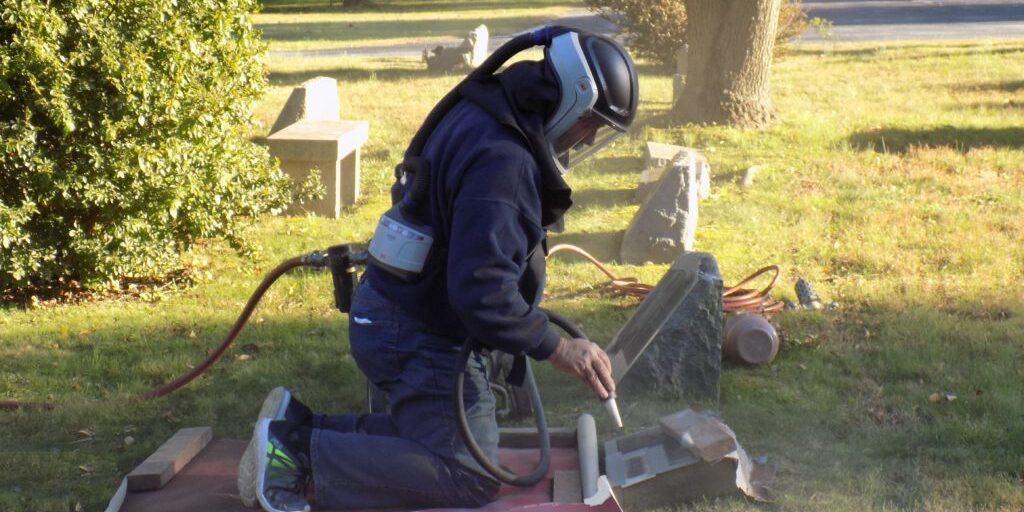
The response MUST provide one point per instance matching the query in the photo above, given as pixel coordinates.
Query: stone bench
(330, 146)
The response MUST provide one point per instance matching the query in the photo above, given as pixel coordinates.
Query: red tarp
(207, 484)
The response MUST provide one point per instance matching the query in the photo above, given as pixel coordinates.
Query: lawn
(892, 180)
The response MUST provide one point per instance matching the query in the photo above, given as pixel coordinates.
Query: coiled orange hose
(734, 298)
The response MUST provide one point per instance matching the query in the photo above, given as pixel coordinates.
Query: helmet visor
(584, 138)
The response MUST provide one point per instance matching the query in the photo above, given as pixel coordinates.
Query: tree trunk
(731, 43)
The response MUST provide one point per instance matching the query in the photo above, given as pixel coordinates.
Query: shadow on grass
(601, 198)
(899, 140)
(346, 75)
(602, 245)
(618, 164)
(929, 50)
(1004, 86)
(341, 30)
(993, 105)
(326, 6)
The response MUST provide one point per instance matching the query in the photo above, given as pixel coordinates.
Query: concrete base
(330, 146)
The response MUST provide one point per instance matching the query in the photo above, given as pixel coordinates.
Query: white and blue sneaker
(274, 408)
(283, 476)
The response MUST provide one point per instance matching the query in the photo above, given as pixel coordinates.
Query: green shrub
(124, 136)
(656, 29)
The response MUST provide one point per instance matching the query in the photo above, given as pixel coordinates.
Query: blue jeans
(414, 455)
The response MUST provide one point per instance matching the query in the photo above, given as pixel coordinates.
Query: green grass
(316, 26)
(892, 180)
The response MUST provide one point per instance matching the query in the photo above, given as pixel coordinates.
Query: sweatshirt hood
(522, 97)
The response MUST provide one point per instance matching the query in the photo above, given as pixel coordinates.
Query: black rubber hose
(543, 437)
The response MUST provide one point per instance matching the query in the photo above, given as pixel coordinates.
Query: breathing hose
(544, 439)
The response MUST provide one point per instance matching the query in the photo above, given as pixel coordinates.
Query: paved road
(881, 20)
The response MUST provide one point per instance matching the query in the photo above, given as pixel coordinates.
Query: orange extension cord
(734, 298)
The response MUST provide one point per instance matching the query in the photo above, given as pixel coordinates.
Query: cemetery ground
(892, 181)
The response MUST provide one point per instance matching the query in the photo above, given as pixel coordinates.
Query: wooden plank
(652, 314)
(567, 487)
(167, 461)
(561, 437)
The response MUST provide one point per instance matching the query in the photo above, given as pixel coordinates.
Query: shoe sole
(274, 407)
(262, 433)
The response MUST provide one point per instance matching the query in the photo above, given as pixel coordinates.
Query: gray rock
(685, 357)
(666, 223)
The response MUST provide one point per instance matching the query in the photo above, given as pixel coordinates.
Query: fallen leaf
(129, 440)
(935, 398)
(979, 392)
(243, 357)
(85, 469)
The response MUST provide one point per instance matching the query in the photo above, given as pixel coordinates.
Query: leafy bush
(656, 29)
(123, 136)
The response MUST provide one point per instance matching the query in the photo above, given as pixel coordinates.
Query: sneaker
(282, 477)
(274, 407)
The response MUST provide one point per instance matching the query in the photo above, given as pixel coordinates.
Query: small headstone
(469, 54)
(678, 84)
(478, 40)
(666, 223)
(748, 176)
(685, 357)
(658, 157)
(703, 176)
(683, 60)
(314, 100)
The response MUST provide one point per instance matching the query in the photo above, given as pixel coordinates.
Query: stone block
(701, 433)
(685, 356)
(666, 224)
(333, 147)
(315, 100)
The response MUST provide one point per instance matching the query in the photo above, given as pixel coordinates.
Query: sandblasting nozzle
(613, 410)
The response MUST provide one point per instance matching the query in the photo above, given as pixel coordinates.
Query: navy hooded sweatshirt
(489, 201)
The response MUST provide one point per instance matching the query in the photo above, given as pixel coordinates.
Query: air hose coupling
(315, 259)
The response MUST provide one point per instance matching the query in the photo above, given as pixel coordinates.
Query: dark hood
(522, 97)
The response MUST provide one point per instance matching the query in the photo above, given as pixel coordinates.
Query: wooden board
(567, 487)
(561, 437)
(169, 459)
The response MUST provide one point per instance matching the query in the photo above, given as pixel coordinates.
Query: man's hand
(584, 359)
